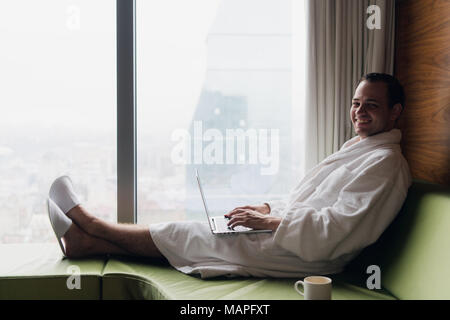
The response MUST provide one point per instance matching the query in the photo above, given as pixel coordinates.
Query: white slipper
(63, 194)
(59, 221)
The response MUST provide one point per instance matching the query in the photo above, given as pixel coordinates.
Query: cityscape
(166, 192)
(246, 89)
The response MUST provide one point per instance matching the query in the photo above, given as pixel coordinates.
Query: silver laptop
(218, 224)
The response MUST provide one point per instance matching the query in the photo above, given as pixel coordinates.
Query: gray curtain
(340, 50)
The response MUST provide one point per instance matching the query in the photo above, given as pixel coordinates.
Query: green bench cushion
(128, 278)
(414, 252)
(38, 271)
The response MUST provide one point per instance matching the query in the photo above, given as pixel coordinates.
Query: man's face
(370, 113)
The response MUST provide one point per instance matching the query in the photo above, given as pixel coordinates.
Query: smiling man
(376, 105)
(341, 206)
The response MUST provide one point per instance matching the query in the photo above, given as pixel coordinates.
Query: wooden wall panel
(422, 64)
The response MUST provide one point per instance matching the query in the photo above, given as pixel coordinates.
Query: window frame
(126, 111)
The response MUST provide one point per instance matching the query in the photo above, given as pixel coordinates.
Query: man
(339, 207)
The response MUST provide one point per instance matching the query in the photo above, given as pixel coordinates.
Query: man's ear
(396, 111)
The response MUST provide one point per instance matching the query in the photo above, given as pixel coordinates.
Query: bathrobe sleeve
(277, 206)
(365, 206)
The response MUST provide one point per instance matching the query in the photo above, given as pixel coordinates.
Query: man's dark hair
(396, 94)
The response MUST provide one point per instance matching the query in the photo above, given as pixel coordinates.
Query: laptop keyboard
(222, 225)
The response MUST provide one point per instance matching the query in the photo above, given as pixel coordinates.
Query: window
(219, 88)
(57, 110)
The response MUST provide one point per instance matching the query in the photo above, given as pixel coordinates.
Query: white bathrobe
(339, 207)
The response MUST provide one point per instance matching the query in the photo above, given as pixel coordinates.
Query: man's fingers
(236, 221)
(231, 212)
(235, 211)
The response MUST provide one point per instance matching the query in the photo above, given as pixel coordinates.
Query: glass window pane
(58, 110)
(214, 93)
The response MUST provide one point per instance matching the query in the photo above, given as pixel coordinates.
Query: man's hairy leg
(135, 239)
(80, 244)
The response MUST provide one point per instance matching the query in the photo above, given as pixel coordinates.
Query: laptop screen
(203, 198)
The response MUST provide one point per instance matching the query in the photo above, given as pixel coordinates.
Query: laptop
(218, 224)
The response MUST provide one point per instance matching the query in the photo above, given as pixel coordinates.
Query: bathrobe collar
(389, 139)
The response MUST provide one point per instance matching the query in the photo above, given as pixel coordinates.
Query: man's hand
(253, 219)
(264, 209)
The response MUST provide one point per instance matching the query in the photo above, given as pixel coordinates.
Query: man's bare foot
(77, 242)
(83, 219)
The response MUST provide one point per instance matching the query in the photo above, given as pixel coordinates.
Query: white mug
(315, 288)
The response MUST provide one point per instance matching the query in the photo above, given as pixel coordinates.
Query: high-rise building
(247, 87)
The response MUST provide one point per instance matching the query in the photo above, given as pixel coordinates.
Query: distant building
(247, 86)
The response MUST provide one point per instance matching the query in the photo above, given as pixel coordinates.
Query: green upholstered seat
(39, 271)
(414, 252)
(125, 278)
(413, 255)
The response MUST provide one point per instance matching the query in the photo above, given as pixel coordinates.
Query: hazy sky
(55, 71)
(58, 57)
